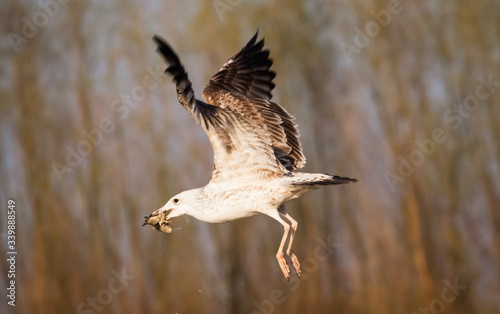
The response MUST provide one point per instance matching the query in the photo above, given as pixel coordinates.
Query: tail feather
(317, 179)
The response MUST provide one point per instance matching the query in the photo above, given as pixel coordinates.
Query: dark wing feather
(241, 148)
(248, 73)
(244, 85)
(203, 113)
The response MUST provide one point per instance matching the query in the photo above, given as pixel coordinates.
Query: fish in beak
(159, 222)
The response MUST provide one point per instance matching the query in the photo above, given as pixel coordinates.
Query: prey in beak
(159, 222)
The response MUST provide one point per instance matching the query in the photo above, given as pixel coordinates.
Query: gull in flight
(255, 143)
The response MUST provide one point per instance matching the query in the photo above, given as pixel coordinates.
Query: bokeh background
(403, 95)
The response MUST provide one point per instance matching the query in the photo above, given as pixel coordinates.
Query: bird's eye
(176, 201)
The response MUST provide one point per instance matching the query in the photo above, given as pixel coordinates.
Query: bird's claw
(295, 262)
(284, 266)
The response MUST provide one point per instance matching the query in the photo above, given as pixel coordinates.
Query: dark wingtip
(252, 41)
(157, 39)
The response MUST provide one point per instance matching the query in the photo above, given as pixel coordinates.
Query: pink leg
(280, 256)
(289, 251)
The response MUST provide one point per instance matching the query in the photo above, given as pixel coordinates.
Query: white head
(181, 204)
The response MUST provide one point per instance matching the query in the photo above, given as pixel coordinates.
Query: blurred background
(403, 95)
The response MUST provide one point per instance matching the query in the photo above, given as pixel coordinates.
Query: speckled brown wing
(244, 85)
(247, 73)
(242, 149)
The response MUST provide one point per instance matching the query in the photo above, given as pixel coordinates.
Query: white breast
(225, 202)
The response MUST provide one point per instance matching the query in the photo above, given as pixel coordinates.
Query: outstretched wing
(244, 85)
(241, 148)
(247, 73)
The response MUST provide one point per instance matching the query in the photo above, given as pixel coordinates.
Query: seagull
(256, 148)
